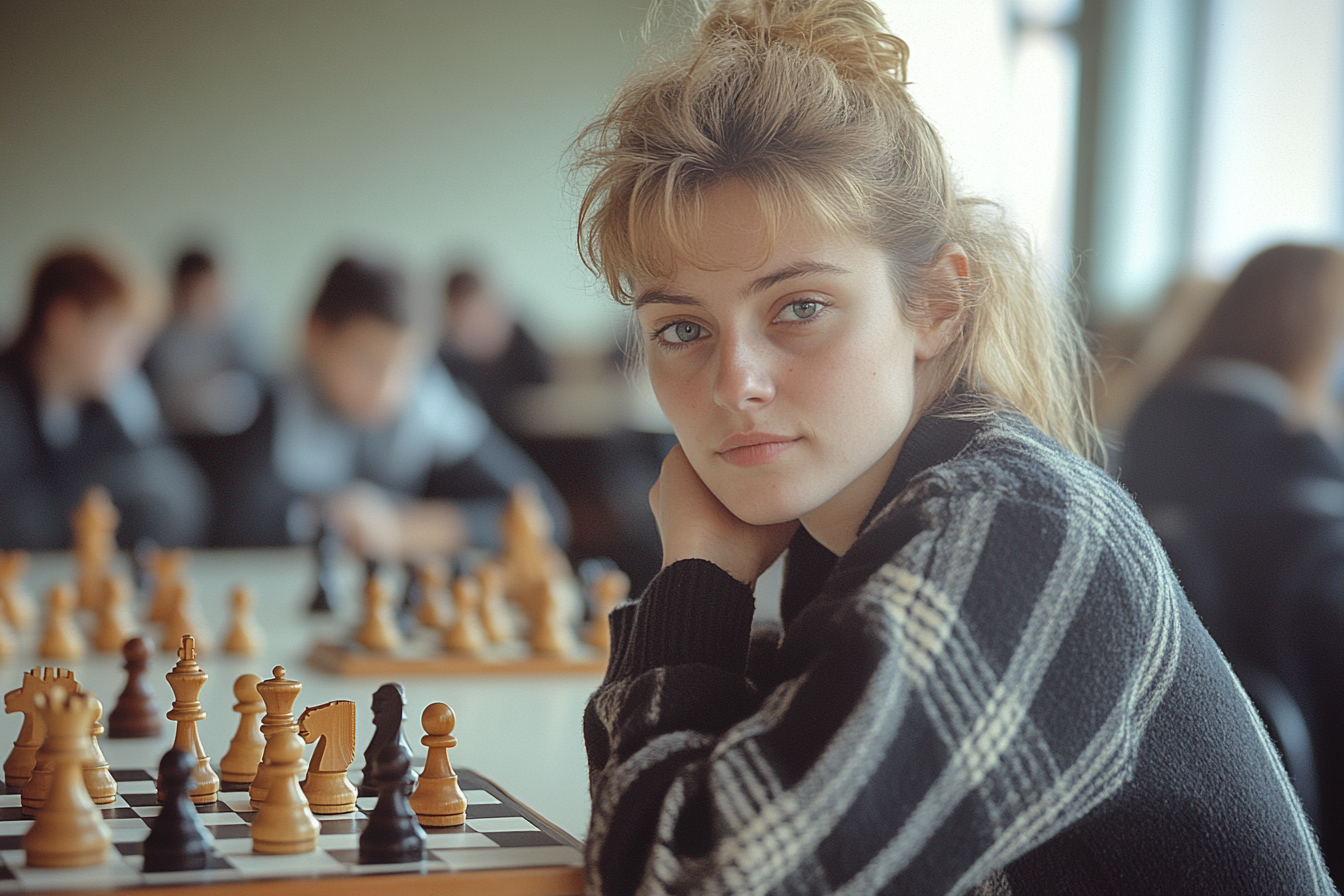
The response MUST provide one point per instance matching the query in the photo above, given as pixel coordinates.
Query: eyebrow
(788, 272)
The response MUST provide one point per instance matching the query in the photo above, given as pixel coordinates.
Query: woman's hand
(695, 525)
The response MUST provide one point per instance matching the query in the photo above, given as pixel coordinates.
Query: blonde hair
(806, 103)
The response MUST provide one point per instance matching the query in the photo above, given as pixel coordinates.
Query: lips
(753, 448)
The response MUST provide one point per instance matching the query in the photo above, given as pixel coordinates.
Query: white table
(524, 732)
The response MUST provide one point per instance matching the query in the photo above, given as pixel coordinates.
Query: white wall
(284, 131)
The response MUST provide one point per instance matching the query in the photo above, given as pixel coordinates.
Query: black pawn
(176, 840)
(327, 549)
(411, 596)
(389, 711)
(393, 834)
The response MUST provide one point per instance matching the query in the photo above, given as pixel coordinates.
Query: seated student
(988, 676)
(75, 411)
(1229, 449)
(372, 435)
(486, 349)
(203, 364)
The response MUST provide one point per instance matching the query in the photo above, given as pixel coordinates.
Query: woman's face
(789, 375)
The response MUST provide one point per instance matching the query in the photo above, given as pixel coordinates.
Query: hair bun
(850, 34)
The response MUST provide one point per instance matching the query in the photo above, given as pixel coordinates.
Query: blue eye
(801, 309)
(681, 332)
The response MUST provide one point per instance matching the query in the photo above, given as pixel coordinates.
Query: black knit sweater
(1000, 685)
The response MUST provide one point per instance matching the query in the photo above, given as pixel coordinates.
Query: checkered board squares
(500, 834)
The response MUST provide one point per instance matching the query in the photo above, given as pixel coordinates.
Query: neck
(836, 523)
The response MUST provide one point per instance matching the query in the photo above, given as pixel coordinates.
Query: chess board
(504, 848)
(423, 656)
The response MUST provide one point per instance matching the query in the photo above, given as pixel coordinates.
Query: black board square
(514, 839)
(12, 813)
(131, 774)
(13, 842)
(234, 787)
(5, 873)
(212, 808)
(341, 825)
(130, 849)
(120, 812)
(140, 799)
(491, 810)
(230, 831)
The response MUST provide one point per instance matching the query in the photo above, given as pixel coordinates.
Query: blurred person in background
(486, 348)
(75, 410)
(370, 435)
(1228, 458)
(204, 365)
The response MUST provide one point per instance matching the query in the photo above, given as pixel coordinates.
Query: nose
(745, 380)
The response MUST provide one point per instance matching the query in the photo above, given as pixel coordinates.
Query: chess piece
(69, 830)
(23, 758)
(61, 639)
(179, 620)
(379, 630)
(177, 840)
(284, 824)
(279, 694)
(551, 634)
(332, 726)
(168, 569)
(432, 609)
(610, 588)
(465, 635)
(244, 636)
(327, 549)
(7, 641)
(136, 713)
(15, 602)
(495, 618)
(393, 835)
(94, 522)
(98, 778)
(186, 680)
(239, 764)
(438, 801)
(115, 625)
(389, 711)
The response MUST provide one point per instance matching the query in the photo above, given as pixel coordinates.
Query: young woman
(988, 675)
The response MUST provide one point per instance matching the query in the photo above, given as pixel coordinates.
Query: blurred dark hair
(191, 264)
(1283, 310)
(461, 283)
(72, 273)
(360, 288)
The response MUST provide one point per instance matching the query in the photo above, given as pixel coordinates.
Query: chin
(764, 510)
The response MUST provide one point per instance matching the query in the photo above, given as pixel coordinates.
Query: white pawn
(465, 635)
(438, 801)
(284, 824)
(244, 636)
(115, 626)
(62, 639)
(379, 630)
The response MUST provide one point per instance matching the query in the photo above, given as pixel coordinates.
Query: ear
(945, 308)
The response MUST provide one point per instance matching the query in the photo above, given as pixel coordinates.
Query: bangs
(662, 223)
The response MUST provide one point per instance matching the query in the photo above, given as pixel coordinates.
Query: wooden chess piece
(379, 630)
(612, 587)
(115, 625)
(327, 551)
(432, 611)
(15, 602)
(7, 639)
(179, 620)
(279, 694)
(69, 830)
(551, 634)
(137, 713)
(61, 639)
(393, 834)
(389, 711)
(186, 680)
(169, 568)
(98, 778)
(239, 764)
(465, 635)
(495, 618)
(22, 759)
(177, 840)
(244, 636)
(284, 824)
(94, 522)
(438, 801)
(332, 726)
